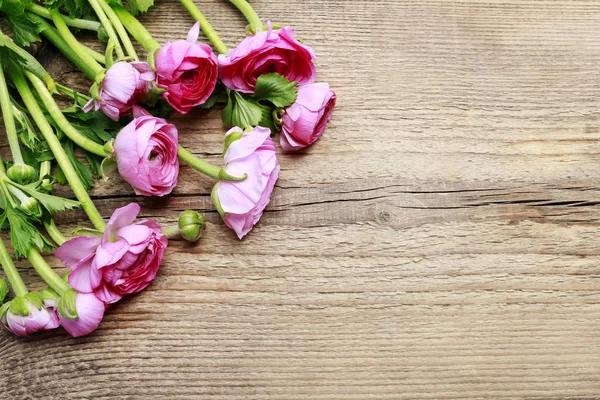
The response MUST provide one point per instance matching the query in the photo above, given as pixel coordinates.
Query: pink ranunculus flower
(124, 85)
(188, 71)
(90, 312)
(39, 319)
(123, 261)
(305, 120)
(242, 203)
(264, 53)
(146, 153)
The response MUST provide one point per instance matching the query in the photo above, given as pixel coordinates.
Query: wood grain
(440, 241)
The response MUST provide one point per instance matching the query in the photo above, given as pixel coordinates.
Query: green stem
(114, 19)
(47, 273)
(110, 30)
(249, 13)
(9, 119)
(136, 29)
(56, 148)
(54, 233)
(71, 41)
(100, 58)
(205, 168)
(74, 22)
(206, 27)
(11, 271)
(198, 164)
(171, 232)
(73, 94)
(62, 122)
(56, 39)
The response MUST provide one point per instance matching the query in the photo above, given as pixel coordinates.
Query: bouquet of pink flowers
(267, 85)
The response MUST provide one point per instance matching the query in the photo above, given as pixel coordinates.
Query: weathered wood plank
(440, 241)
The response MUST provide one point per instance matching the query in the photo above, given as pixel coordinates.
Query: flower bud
(25, 315)
(191, 225)
(30, 206)
(21, 173)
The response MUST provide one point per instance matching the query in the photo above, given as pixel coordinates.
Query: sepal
(19, 306)
(215, 200)
(67, 304)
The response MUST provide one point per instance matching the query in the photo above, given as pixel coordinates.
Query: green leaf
(85, 174)
(246, 113)
(267, 118)
(25, 31)
(49, 202)
(138, 6)
(3, 290)
(25, 60)
(227, 113)
(23, 235)
(276, 89)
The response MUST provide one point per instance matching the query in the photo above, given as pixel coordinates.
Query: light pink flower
(264, 53)
(123, 261)
(42, 319)
(188, 71)
(305, 120)
(90, 312)
(254, 154)
(146, 153)
(125, 84)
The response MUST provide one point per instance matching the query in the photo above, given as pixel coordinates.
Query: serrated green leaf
(276, 89)
(267, 118)
(23, 235)
(246, 113)
(25, 31)
(49, 202)
(140, 6)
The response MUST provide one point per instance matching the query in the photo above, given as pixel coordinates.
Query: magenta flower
(305, 120)
(146, 153)
(124, 85)
(123, 261)
(188, 71)
(242, 203)
(39, 319)
(265, 53)
(90, 312)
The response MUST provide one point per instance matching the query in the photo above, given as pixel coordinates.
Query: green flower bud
(67, 306)
(31, 206)
(21, 173)
(191, 225)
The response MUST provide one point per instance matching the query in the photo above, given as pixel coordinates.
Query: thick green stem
(172, 232)
(136, 29)
(11, 271)
(54, 233)
(100, 58)
(56, 39)
(47, 273)
(205, 168)
(62, 122)
(198, 164)
(56, 148)
(71, 41)
(114, 19)
(9, 119)
(249, 13)
(110, 30)
(206, 27)
(74, 22)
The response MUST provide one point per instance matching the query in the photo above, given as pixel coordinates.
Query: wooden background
(440, 241)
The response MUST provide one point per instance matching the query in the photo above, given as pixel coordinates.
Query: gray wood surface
(440, 241)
